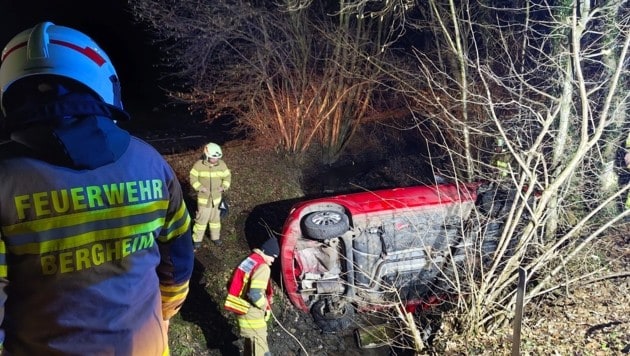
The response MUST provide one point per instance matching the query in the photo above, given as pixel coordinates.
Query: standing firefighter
(501, 159)
(95, 248)
(210, 177)
(250, 297)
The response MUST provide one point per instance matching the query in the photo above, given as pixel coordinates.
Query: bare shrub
(290, 78)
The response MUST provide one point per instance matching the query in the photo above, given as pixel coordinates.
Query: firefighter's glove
(267, 315)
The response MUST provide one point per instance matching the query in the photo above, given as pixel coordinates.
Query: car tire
(325, 225)
(332, 316)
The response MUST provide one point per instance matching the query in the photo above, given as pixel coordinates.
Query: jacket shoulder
(222, 164)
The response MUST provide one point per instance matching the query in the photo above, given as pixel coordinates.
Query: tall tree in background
(550, 82)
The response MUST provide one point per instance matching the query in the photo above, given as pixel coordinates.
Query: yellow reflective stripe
(237, 303)
(176, 288)
(173, 293)
(181, 213)
(502, 164)
(196, 185)
(194, 172)
(3, 264)
(237, 308)
(84, 217)
(252, 323)
(258, 284)
(220, 174)
(202, 201)
(240, 303)
(172, 298)
(214, 225)
(88, 237)
(214, 174)
(179, 231)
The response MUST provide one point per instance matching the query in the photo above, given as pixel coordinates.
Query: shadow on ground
(203, 311)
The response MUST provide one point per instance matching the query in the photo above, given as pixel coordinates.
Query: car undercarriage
(345, 262)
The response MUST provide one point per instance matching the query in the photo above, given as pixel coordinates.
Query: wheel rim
(326, 218)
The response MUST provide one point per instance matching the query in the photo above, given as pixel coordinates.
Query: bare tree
(553, 90)
(292, 79)
(550, 81)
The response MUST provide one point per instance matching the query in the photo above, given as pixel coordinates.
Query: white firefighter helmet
(48, 49)
(212, 150)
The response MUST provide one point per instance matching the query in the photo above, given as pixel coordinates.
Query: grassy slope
(588, 320)
(258, 178)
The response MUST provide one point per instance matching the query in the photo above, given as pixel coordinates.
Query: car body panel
(397, 237)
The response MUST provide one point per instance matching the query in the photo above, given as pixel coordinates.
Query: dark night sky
(108, 23)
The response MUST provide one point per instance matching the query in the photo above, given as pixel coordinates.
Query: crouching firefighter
(250, 296)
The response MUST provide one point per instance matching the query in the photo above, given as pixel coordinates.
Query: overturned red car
(347, 253)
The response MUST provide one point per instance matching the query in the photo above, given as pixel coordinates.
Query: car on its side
(348, 253)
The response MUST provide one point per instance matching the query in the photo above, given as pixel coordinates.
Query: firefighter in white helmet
(210, 178)
(95, 247)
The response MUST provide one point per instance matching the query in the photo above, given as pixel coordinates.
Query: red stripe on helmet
(17, 46)
(86, 51)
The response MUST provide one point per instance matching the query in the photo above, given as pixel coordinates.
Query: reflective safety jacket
(213, 177)
(502, 162)
(250, 285)
(91, 261)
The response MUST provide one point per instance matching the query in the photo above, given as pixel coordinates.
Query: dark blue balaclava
(69, 127)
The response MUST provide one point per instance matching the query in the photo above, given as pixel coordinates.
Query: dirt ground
(590, 318)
